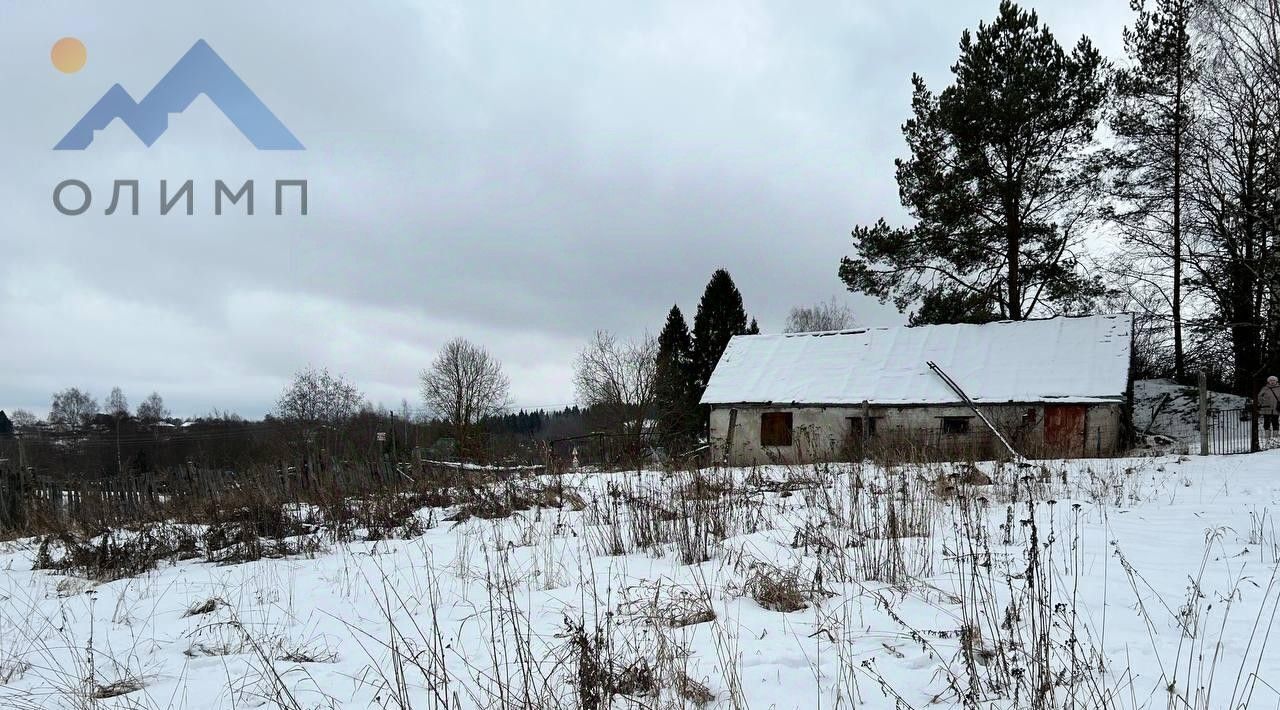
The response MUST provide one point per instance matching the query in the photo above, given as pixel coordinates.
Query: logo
(200, 71)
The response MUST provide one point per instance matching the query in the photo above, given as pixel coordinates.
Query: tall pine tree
(1000, 180)
(720, 317)
(1153, 125)
(6, 426)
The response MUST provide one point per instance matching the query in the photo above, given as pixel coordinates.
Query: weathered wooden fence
(24, 496)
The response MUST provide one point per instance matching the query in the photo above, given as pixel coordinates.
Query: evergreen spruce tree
(1152, 122)
(754, 328)
(674, 382)
(1001, 181)
(6, 426)
(720, 317)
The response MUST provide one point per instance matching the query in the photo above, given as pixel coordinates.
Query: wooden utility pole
(395, 449)
(1204, 414)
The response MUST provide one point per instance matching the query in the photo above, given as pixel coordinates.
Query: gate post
(1204, 414)
(1255, 444)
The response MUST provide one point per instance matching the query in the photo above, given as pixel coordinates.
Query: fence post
(1204, 414)
(1255, 444)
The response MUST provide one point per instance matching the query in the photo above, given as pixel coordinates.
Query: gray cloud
(517, 173)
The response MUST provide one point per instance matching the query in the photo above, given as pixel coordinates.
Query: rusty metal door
(1064, 429)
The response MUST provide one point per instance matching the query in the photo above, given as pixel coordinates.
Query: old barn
(1057, 387)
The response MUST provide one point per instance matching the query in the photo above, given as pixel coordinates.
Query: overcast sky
(519, 174)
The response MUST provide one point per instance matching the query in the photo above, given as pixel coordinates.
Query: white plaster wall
(820, 433)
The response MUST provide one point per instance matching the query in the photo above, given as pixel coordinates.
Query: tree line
(1046, 180)
(74, 408)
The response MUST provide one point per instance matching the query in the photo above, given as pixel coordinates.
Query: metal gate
(1230, 431)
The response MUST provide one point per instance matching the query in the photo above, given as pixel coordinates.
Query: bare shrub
(113, 555)
(600, 671)
(778, 589)
(667, 605)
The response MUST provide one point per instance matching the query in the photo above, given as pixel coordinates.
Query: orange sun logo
(68, 55)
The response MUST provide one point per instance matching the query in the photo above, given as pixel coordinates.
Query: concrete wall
(824, 433)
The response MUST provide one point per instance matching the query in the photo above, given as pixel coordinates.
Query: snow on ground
(1169, 409)
(1155, 566)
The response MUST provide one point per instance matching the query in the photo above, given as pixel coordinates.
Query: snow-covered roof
(1060, 359)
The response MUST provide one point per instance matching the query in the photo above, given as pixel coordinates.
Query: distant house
(1056, 387)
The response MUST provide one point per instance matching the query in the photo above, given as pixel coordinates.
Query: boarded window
(775, 429)
(855, 427)
(955, 425)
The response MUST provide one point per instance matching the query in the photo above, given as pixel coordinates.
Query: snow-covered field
(1119, 583)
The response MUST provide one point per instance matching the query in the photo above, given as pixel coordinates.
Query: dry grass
(1016, 640)
(118, 688)
(779, 589)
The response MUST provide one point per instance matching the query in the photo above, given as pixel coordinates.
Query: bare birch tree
(831, 315)
(117, 403)
(617, 379)
(22, 419)
(152, 409)
(72, 409)
(315, 397)
(464, 385)
(1234, 187)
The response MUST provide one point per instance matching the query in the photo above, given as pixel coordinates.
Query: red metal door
(1064, 429)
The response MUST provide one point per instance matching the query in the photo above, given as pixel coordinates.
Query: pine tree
(674, 386)
(6, 426)
(953, 306)
(1152, 122)
(1001, 179)
(720, 317)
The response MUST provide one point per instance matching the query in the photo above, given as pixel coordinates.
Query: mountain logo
(200, 71)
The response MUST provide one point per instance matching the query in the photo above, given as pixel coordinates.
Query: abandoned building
(1056, 387)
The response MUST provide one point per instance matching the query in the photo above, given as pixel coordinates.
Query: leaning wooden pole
(974, 408)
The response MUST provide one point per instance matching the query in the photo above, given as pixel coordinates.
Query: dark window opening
(855, 426)
(955, 425)
(775, 429)
(1029, 417)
